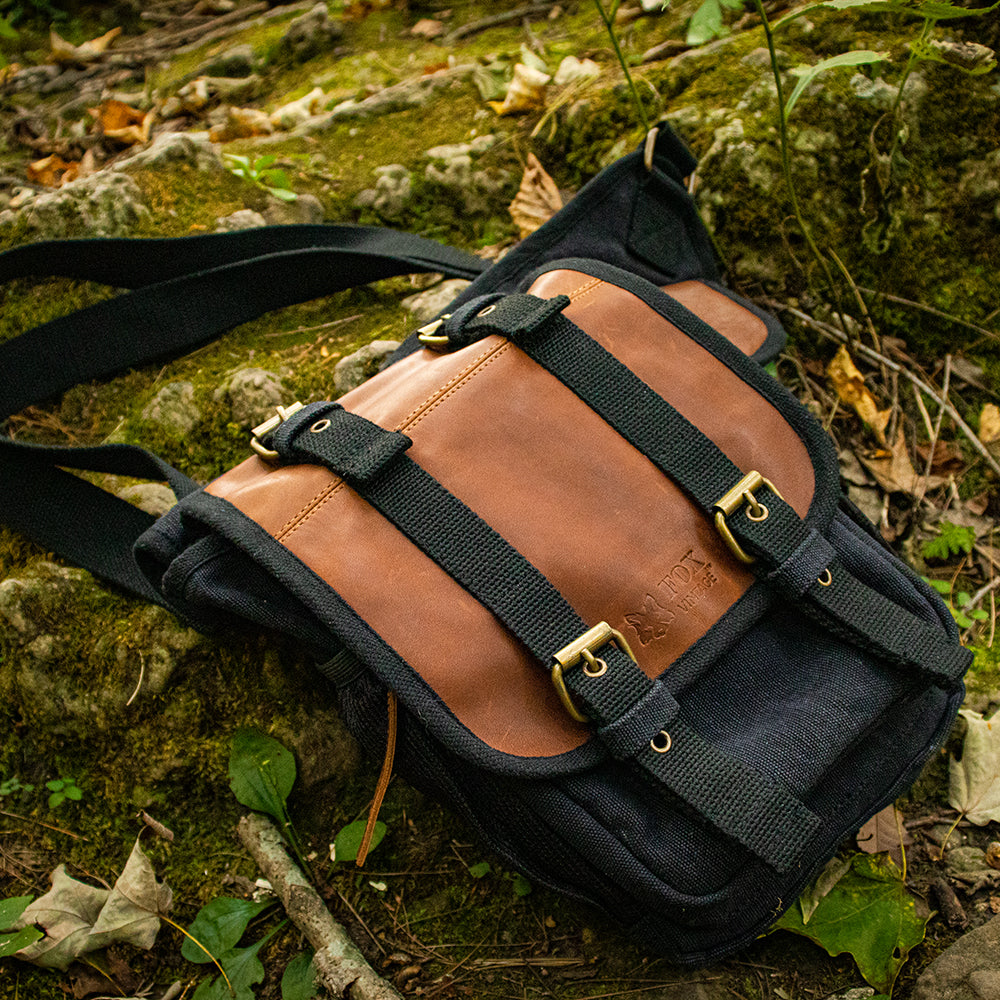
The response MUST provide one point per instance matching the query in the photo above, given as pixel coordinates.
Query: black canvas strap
(638, 718)
(184, 292)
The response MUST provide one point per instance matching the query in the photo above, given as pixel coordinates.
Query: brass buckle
(428, 335)
(742, 493)
(583, 648)
(269, 425)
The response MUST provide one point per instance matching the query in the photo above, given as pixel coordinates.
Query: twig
(474, 27)
(983, 591)
(936, 432)
(340, 966)
(837, 335)
(932, 311)
(48, 826)
(138, 685)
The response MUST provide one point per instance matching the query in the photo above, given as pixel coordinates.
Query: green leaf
(237, 161)
(263, 162)
(55, 785)
(934, 10)
(870, 914)
(282, 193)
(522, 887)
(261, 773)
(299, 979)
(12, 942)
(74, 792)
(7, 30)
(275, 177)
(705, 23)
(859, 57)
(56, 799)
(951, 539)
(348, 841)
(218, 926)
(11, 909)
(480, 870)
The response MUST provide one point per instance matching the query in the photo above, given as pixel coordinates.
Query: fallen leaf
(989, 427)
(946, 458)
(974, 779)
(870, 914)
(525, 93)
(427, 28)
(119, 121)
(241, 123)
(894, 471)
(132, 911)
(537, 199)
(573, 70)
(881, 834)
(833, 872)
(851, 389)
(79, 918)
(79, 55)
(53, 171)
(66, 912)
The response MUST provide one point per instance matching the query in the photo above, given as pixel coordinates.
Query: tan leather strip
(610, 531)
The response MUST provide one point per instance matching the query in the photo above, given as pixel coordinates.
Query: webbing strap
(698, 466)
(757, 812)
(186, 291)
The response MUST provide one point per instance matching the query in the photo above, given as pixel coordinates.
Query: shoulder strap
(184, 292)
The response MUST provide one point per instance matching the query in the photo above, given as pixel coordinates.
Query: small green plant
(262, 173)
(706, 23)
(347, 843)
(213, 937)
(63, 789)
(261, 775)
(951, 540)
(959, 605)
(12, 940)
(11, 786)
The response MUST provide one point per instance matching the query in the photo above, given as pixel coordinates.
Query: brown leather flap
(609, 530)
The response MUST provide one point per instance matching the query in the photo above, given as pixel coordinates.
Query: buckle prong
(270, 425)
(742, 494)
(583, 648)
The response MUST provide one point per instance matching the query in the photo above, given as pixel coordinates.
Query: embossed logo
(677, 593)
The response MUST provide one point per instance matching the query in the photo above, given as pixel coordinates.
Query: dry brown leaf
(79, 918)
(894, 471)
(242, 123)
(537, 199)
(882, 833)
(989, 425)
(53, 171)
(851, 389)
(525, 93)
(79, 55)
(119, 121)
(947, 457)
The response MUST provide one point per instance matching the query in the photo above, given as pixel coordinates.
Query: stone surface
(358, 367)
(252, 394)
(173, 409)
(173, 149)
(426, 305)
(307, 209)
(105, 204)
(968, 970)
(392, 192)
(245, 218)
(238, 61)
(311, 34)
(153, 498)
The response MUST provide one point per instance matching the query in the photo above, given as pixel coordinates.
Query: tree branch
(340, 966)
